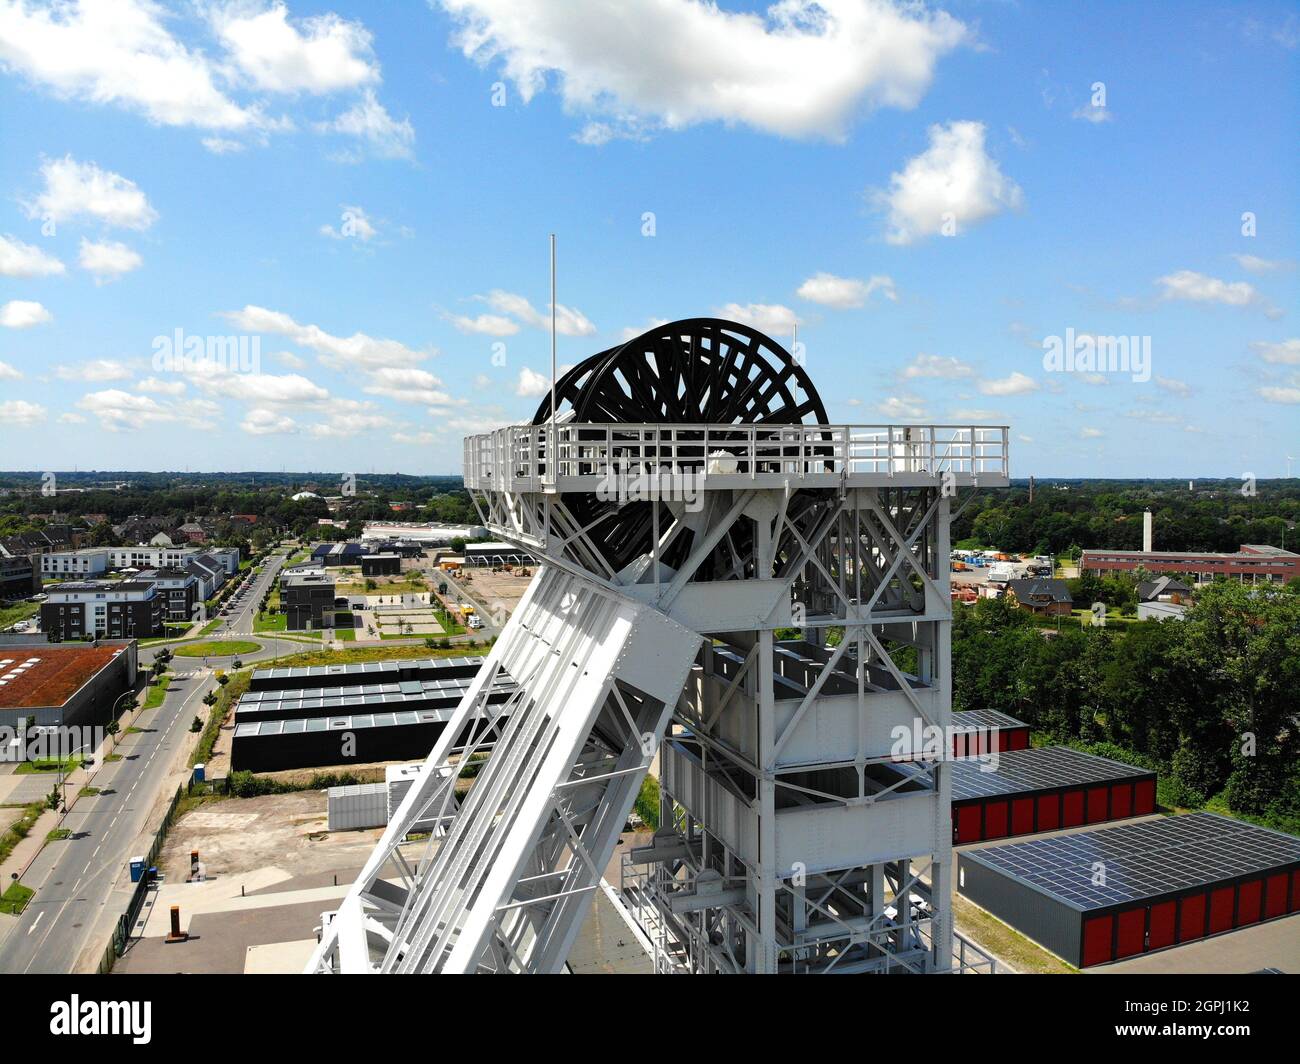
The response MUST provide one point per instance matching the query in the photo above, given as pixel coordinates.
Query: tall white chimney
(1146, 531)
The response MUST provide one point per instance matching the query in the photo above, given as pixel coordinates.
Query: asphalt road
(73, 879)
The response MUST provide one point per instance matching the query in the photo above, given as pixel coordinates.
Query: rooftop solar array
(990, 719)
(316, 701)
(346, 722)
(1135, 862)
(377, 669)
(1042, 769)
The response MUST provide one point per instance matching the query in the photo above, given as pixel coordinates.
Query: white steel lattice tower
(756, 597)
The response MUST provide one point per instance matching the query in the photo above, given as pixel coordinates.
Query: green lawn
(46, 764)
(346, 635)
(15, 899)
(359, 654)
(217, 648)
(270, 622)
(19, 611)
(157, 692)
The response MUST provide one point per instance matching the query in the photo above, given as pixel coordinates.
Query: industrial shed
(982, 731)
(381, 565)
(1044, 789)
(386, 714)
(1098, 896)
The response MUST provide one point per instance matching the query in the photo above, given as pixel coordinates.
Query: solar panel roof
(374, 696)
(985, 718)
(343, 722)
(368, 668)
(1135, 862)
(1040, 769)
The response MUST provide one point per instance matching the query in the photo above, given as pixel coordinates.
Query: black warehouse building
(387, 711)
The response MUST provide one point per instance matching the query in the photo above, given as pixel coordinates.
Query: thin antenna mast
(552, 456)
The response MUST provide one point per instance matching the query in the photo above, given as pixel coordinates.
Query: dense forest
(1211, 700)
(1066, 516)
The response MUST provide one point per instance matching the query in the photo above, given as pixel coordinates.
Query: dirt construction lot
(284, 831)
(503, 590)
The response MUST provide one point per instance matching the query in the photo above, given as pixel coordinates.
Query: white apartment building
(147, 556)
(89, 561)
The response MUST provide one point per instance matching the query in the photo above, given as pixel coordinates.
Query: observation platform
(627, 460)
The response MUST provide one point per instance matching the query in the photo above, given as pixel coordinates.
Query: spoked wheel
(698, 371)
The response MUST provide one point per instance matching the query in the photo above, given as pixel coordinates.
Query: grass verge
(15, 899)
(359, 654)
(157, 693)
(227, 696)
(20, 828)
(1005, 943)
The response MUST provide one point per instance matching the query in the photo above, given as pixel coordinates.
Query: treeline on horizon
(1208, 701)
(430, 499)
(1068, 516)
(329, 482)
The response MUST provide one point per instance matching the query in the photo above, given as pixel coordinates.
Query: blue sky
(929, 191)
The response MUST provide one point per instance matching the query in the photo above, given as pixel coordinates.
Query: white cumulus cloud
(953, 184)
(1284, 352)
(569, 321)
(1015, 384)
(358, 350)
(108, 260)
(799, 69)
(26, 260)
(938, 366)
(316, 55)
(75, 190)
(23, 314)
(844, 293)
(19, 413)
(771, 318)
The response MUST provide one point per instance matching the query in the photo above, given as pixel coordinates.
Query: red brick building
(1254, 563)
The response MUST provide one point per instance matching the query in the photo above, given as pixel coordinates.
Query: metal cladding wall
(270, 753)
(988, 741)
(1048, 921)
(361, 805)
(1029, 810)
(1126, 932)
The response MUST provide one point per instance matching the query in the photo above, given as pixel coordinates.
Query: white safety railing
(515, 458)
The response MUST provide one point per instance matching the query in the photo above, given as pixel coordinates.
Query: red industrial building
(1099, 896)
(1254, 563)
(1044, 789)
(977, 732)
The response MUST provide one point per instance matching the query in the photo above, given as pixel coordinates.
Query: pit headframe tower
(736, 588)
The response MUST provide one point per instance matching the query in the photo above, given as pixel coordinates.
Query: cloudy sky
(349, 205)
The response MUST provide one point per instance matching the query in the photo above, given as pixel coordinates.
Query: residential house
(1042, 595)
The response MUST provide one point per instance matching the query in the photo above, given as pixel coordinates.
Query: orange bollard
(177, 935)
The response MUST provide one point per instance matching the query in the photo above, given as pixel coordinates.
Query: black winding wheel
(698, 371)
